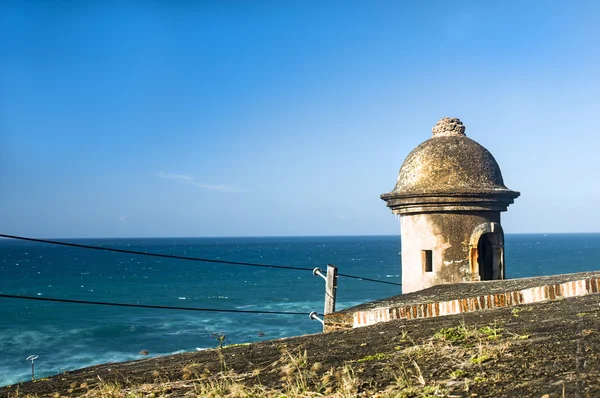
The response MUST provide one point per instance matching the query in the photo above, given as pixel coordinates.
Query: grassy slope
(549, 348)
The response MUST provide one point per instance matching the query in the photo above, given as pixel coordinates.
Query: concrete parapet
(458, 298)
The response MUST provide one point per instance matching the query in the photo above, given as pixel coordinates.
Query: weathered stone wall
(447, 235)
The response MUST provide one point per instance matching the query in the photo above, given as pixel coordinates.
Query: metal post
(330, 289)
(317, 272)
(32, 358)
(313, 316)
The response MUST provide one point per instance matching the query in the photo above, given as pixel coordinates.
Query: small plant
(492, 333)
(220, 337)
(189, 370)
(403, 337)
(461, 334)
(410, 382)
(454, 334)
(107, 390)
(294, 371)
(477, 360)
(433, 391)
(515, 311)
(458, 373)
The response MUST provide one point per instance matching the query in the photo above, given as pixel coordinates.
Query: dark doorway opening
(485, 257)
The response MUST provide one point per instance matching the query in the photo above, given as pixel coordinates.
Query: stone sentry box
(449, 196)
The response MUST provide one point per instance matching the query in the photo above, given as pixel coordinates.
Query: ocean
(68, 336)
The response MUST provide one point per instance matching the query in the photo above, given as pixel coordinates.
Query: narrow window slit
(427, 260)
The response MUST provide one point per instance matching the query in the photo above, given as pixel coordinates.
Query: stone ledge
(459, 298)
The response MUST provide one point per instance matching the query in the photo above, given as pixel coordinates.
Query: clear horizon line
(278, 236)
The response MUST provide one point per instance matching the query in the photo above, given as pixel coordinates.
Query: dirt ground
(541, 350)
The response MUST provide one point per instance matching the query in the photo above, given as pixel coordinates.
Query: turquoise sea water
(70, 336)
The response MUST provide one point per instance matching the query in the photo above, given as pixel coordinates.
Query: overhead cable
(172, 256)
(115, 250)
(160, 307)
(362, 278)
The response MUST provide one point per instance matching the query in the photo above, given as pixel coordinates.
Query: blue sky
(230, 118)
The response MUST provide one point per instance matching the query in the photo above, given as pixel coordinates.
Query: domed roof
(451, 164)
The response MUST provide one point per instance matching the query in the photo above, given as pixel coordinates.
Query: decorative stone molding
(448, 126)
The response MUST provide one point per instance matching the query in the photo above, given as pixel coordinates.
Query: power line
(171, 256)
(362, 278)
(115, 250)
(160, 307)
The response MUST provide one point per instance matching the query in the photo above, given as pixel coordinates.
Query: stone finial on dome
(448, 126)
